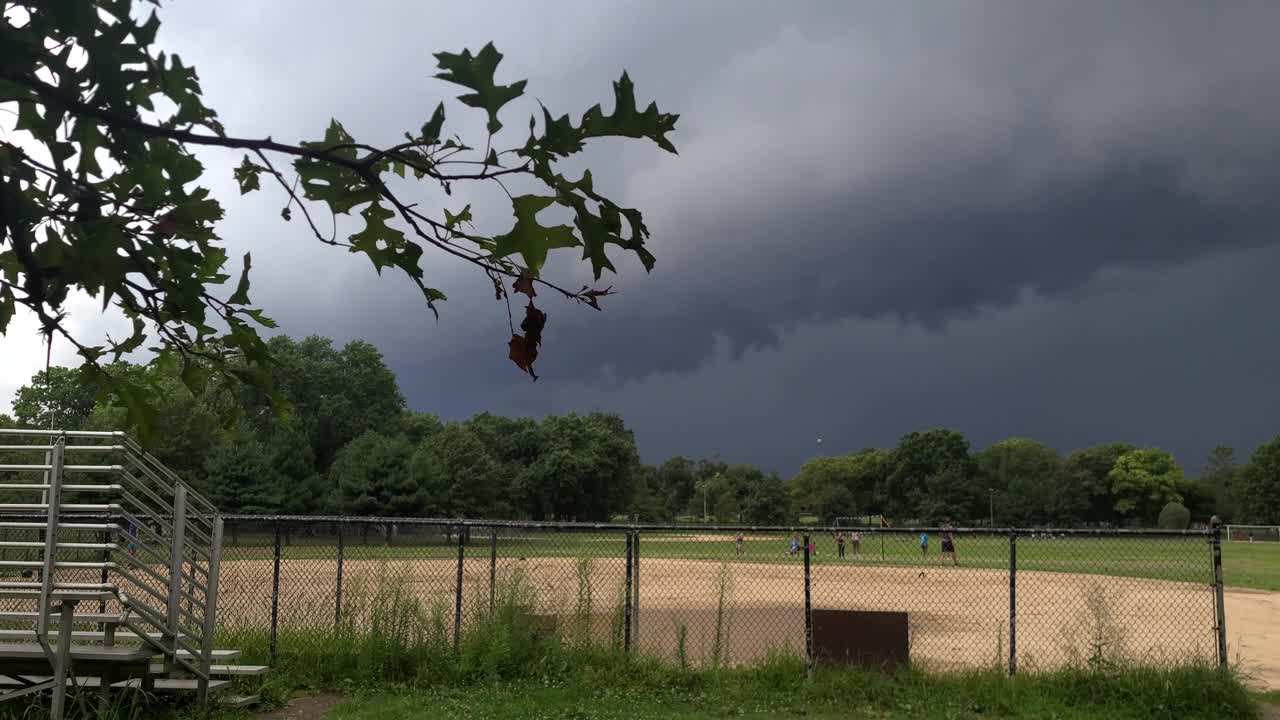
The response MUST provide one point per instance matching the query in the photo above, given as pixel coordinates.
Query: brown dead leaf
(523, 349)
(524, 284)
(523, 353)
(591, 297)
(534, 321)
(165, 228)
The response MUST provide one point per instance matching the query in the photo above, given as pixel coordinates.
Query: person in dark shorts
(949, 543)
(840, 544)
(924, 545)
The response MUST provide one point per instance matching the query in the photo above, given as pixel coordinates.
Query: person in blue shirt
(924, 545)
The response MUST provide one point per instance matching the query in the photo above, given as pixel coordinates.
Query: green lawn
(1186, 559)
(1185, 696)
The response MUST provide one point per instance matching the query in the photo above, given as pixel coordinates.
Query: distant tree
(458, 476)
(238, 476)
(1090, 470)
(1143, 481)
(1027, 477)
(1219, 482)
(833, 486)
(932, 477)
(1259, 486)
(416, 427)
(764, 501)
(676, 480)
(334, 394)
(370, 477)
(57, 398)
(1174, 516)
(646, 499)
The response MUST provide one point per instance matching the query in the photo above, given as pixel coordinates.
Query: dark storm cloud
(854, 180)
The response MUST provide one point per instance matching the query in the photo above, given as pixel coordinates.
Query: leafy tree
(458, 476)
(1026, 476)
(1090, 469)
(676, 481)
(1143, 481)
(237, 477)
(1260, 485)
(1174, 516)
(931, 477)
(370, 477)
(1219, 481)
(335, 394)
(764, 501)
(99, 193)
(841, 485)
(584, 468)
(646, 500)
(56, 397)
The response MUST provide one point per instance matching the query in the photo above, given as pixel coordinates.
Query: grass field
(1246, 565)
(778, 690)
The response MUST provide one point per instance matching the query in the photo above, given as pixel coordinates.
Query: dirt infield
(959, 617)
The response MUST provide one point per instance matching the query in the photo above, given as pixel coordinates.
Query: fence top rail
(27, 432)
(677, 527)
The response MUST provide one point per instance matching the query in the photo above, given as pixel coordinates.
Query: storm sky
(1053, 220)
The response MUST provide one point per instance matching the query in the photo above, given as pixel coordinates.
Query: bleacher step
(242, 701)
(162, 685)
(222, 670)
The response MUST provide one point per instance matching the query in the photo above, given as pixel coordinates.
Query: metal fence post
(1013, 602)
(337, 604)
(635, 586)
(457, 598)
(275, 593)
(808, 614)
(626, 605)
(493, 564)
(1219, 601)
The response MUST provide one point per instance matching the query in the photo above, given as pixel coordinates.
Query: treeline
(349, 445)
(933, 475)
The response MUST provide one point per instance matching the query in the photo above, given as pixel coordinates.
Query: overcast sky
(1054, 220)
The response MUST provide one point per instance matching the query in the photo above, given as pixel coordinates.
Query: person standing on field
(737, 543)
(949, 543)
(840, 544)
(924, 545)
(856, 538)
(795, 544)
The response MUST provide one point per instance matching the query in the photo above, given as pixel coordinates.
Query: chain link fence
(1019, 600)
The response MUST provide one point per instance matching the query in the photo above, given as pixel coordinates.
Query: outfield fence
(1021, 600)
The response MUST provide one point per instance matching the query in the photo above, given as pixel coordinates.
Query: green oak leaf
(340, 187)
(247, 175)
(626, 121)
(530, 239)
(451, 220)
(241, 295)
(381, 242)
(476, 72)
(7, 308)
(431, 128)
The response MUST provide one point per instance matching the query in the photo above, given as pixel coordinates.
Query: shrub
(1174, 516)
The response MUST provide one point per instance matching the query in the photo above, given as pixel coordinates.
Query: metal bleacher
(108, 572)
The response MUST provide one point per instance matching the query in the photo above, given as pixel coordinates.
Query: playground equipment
(108, 572)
